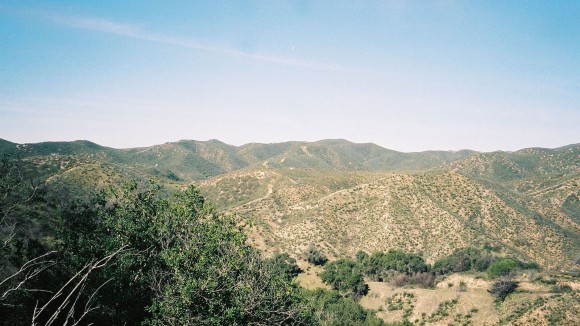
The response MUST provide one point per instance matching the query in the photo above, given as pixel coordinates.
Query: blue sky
(407, 75)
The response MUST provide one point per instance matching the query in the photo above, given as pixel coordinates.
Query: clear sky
(407, 75)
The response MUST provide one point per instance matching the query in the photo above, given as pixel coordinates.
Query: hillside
(348, 197)
(198, 160)
(548, 175)
(431, 213)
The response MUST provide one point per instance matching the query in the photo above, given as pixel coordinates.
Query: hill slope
(431, 213)
(348, 197)
(197, 160)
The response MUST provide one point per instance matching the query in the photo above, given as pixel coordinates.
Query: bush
(461, 260)
(502, 267)
(424, 279)
(328, 308)
(184, 263)
(482, 264)
(500, 289)
(560, 288)
(283, 264)
(379, 266)
(361, 256)
(530, 265)
(344, 275)
(314, 256)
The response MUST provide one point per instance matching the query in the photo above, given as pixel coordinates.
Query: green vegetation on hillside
(136, 255)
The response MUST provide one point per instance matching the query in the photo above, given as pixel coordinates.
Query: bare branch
(79, 280)
(27, 271)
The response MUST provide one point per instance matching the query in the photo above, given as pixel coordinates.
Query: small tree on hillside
(314, 256)
(502, 288)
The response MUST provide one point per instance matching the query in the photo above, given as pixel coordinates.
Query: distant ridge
(346, 196)
(197, 160)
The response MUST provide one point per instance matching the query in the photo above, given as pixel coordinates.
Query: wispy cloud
(131, 31)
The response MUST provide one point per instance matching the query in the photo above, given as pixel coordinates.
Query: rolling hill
(198, 160)
(347, 197)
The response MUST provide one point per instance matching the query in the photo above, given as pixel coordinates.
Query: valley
(344, 198)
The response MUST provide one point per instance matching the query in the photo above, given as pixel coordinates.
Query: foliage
(345, 275)
(379, 266)
(361, 256)
(215, 277)
(283, 264)
(482, 264)
(463, 260)
(423, 279)
(143, 257)
(329, 308)
(314, 256)
(502, 267)
(26, 258)
(501, 288)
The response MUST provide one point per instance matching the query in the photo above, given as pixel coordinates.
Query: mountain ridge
(198, 160)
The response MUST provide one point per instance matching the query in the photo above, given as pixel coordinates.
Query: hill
(198, 160)
(347, 197)
(431, 213)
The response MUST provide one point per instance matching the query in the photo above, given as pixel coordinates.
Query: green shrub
(283, 264)
(483, 262)
(361, 256)
(314, 256)
(502, 267)
(344, 275)
(380, 266)
(329, 308)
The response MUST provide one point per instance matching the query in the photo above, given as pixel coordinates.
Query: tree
(283, 264)
(379, 266)
(344, 275)
(502, 267)
(314, 256)
(501, 288)
(24, 259)
(184, 262)
(329, 308)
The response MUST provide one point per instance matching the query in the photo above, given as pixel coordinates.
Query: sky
(406, 75)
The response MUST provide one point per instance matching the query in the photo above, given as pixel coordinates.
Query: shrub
(329, 308)
(530, 265)
(283, 264)
(482, 264)
(314, 256)
(344, 275)
(500, 289)
(380, 266)
(502, 267)
(460, 261)
(560, 288)
(424, 279)
(361, 256)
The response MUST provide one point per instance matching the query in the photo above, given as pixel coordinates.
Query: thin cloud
(126, 30)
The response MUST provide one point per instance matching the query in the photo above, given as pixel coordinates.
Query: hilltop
(197, 160)
(347, 197)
